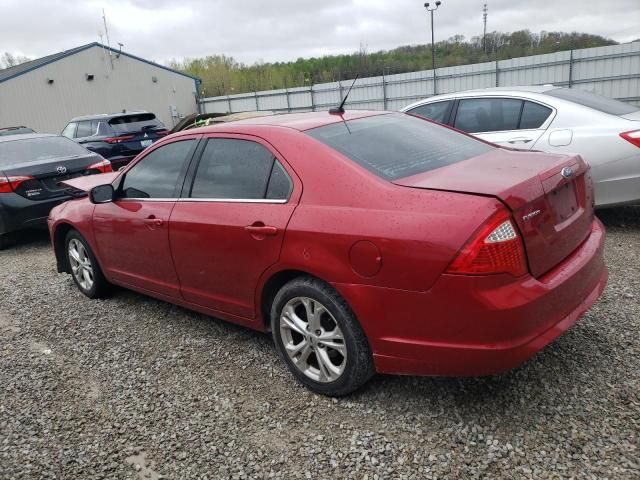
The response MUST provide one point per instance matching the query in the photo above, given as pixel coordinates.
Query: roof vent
(49, 81)
(89, 76)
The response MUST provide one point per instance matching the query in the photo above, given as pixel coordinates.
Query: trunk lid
(553, 211)
(47, 175)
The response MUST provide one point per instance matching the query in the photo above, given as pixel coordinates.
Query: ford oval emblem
(61, 169)
(567, 172)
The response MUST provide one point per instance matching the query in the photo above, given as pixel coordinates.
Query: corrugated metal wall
(613, 71)
(30, 100)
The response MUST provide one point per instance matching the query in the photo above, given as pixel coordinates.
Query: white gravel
(131, 387)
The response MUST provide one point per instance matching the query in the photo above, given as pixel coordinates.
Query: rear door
(132, 233)
(510, 122)
(228, 227)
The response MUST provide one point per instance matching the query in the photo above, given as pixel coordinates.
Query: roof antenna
(340, 110)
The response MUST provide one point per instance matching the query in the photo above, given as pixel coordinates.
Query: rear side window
(156, 175)
(437, 111)
(476, 115)
(43, 148)
(533, 115)
(239, 170)
(591, 100)
(135, 123)
(396, 145)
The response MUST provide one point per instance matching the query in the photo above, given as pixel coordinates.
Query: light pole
(432, 8)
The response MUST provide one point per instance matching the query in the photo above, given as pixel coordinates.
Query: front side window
(477, 115)
(84, 129)
(70, 130)
(395, 146)
(156, 175)
(437, 111)
(239, 170)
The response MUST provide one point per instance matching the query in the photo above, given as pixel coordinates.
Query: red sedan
(365, 242)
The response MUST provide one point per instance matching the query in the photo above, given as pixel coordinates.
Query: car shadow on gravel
(620, 217)
(28, 238)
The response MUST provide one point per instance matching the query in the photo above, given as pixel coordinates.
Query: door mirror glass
(102, 194)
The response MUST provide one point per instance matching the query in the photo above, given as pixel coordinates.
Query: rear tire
(85, 270)
(319, 338)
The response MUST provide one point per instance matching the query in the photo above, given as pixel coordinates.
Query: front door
(229, 226)
(132, 233)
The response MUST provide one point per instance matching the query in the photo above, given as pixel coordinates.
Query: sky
(282, 30)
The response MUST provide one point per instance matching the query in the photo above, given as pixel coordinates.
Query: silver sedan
(605, 132)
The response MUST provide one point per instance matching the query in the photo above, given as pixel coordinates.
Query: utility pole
(106, 32)
(485, 11)
(433, 44)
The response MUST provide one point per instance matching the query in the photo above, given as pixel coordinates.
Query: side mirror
(102, 194)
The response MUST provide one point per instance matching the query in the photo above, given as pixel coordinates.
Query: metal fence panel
(613, 71)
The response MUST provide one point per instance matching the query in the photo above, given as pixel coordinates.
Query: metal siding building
(46, 93)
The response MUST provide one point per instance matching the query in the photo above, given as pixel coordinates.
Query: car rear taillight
(632, 137)
(103, 166)
(10, 184)
(495, 248)
(123, 138)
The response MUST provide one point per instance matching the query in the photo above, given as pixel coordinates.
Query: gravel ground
(135, 388)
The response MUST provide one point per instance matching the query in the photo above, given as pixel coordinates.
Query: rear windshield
(398, 145)
(15, 131)
(33, 149)
(591, 100)
(135, 123)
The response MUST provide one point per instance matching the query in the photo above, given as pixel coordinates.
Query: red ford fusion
(365, 241)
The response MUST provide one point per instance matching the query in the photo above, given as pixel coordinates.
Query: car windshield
(135, 123)
(42, 148)
(398, 145)
(591, 100)
(14, 131)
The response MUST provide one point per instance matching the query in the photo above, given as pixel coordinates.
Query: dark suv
(117, 137)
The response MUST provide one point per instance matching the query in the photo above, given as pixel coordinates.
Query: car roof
(15, 127)
(26, 136)
(515, 90)
(296, 121)
(106, 116)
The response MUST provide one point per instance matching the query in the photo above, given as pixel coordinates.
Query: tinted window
(84, 129)
(135, 123)
(437, 111)
(533, 115)
(591, 100)
(156, 175)
(396, 145)
(280, 184)
(488, 114)
(32, 149)
(234, 169)
(70, 130)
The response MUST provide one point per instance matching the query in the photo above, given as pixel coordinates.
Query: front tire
(319, 338)
(84, 267)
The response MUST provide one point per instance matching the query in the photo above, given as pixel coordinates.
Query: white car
(605, 132)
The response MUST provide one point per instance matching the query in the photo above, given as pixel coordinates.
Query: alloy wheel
(80, 264)
(313, 340)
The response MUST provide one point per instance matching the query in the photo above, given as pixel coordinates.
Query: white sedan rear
(605, 132)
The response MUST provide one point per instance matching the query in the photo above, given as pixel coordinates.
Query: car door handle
(257, 229)
(153, 222)
(520, 140)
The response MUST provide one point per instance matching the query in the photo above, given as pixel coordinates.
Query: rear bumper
(19, 213)
(478, 325)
